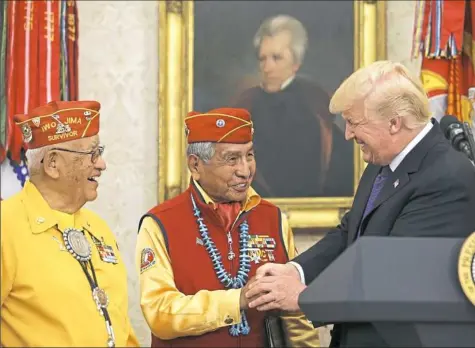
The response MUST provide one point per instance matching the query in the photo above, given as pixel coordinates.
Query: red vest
(193, 268)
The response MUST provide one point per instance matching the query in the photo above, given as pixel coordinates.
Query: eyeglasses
(95, 154)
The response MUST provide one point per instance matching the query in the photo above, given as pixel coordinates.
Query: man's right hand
(277, 269)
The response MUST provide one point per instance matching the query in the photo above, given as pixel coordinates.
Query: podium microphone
(460, 136)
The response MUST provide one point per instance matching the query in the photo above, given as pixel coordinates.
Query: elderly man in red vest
(197, 253)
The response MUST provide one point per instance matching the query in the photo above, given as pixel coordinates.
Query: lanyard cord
(98, 294)
(94, 285)
(92, 282)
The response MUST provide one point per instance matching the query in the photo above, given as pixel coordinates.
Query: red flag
(33, 61)
(73, 50)
(49, 52)
(441, 34)
(18, 17)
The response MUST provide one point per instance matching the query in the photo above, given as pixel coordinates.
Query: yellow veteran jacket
(46, 299)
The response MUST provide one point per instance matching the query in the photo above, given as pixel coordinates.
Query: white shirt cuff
(300, 269)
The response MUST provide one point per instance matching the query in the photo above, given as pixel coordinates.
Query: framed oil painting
(281, 60)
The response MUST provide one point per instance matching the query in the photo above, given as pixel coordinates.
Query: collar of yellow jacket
(252, 198)
(41, 217)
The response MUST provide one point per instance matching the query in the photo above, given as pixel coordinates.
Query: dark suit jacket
(435, 197)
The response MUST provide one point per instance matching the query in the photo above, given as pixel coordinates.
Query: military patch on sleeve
(147, 259)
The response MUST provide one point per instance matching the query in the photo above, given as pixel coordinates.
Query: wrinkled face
(228, 175)
(276, 61)
(76, 173)
(372, 134)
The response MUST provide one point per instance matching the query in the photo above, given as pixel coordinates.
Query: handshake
(274, 287)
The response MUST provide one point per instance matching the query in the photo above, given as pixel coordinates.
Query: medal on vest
(77, 244)
(261, 248)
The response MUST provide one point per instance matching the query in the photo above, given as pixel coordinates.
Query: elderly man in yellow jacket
(63, 282)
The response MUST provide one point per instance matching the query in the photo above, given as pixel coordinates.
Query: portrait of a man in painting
(279, 61)
(282, 60)
(297, 154)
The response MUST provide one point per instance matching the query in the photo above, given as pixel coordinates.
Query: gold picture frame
(176, 38)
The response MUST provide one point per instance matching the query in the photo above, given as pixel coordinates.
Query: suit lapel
(410, 164)
(401, 176)
(395, 182)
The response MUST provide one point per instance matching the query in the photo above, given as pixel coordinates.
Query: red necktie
(228, 213)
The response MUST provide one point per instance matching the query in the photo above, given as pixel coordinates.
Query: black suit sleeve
(318, 257)
(442, 207)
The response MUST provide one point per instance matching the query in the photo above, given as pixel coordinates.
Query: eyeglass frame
(99, 150)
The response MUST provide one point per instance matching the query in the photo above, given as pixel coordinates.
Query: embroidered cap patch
(147, 259)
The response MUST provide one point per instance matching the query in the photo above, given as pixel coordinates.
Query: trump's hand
(277, 269)
(276, 293)
(277, 287)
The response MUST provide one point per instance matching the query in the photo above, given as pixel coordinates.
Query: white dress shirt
(284, 84)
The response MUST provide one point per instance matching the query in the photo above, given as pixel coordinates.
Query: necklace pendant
(101, 298)
(77, 244)
(231, 255)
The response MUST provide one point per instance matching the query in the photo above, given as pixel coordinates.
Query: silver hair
(204, 150)
(275, 25)
(34, 158)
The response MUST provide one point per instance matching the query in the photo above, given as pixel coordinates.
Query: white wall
(400, 23)
(118, 66)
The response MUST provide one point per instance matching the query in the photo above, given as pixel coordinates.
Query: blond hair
(387, 88)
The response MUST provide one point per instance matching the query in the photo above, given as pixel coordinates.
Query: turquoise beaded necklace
(225, 277)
